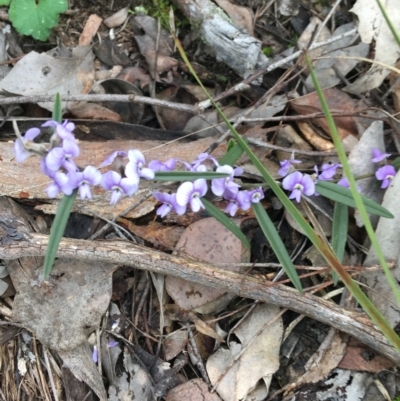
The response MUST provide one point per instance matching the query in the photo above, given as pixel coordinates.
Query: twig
(101, 98)
(124, 253)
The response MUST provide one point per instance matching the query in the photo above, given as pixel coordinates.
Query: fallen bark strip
(120, 252)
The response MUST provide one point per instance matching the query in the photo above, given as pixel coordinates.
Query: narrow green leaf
(389, 22)
(277, 245)
(339, 233)
(226, 221)
(57, 231)
(186, 175)
(343, 195)
(57, 109)
(232, 156)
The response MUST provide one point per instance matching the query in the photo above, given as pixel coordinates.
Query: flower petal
(55, 159)
(184, 193)
(147, 173)
(110, 179)
(291, 180)
(92, 175)
(196, 204)
(200, 186)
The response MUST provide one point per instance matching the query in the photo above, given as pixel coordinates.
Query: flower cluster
(58, 164)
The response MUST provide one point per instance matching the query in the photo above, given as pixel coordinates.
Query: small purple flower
(328, 171)
(62, 132)
(112, 344)
(378, 156)
(135, 168)
(83, 180)
(61, 156)
(299, 184)
(201, 158)
(241, 199)
(61, 183)
(191, 192)
(169, 204)
(21, 153)
(385, 174)
(112, 181)
(157, 165)
(256, 195)
(220, 185)
(344, 182)
(286, 165)
(95, 354)
(109, 159)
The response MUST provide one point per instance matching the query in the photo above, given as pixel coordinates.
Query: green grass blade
(389, 22)
(57, 231)
(57, 109)
(344, 195)
(277, 245)
(187, 175)
(339, 233)
(232, 156)
(226, 221)
(353, 186)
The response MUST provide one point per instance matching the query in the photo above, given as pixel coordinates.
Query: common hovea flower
(299, 184)
(135, 167)
(256, 195)
(385, 174)
(63, 131)
(237, 200)
(112, 181)
(21, 153)
(201, 158)
(61, 183)
(221, 185)
(328, 171)
(62, 156)
(157, 165)
(109, 159)
(378, 156)
(83, 180)
(191, 192)
(169, 203)
(286, 166)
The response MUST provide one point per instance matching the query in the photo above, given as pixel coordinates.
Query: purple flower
(256, 195)
(62, 131)
(202, 157)
(109, 159)
(61, 156)
(299, 184)
(21, 153)
(112, 344)
(135, 168)
(385, 174)
(61, 183)
(328, 171)
(112, 181)
(220, 185)
(344, 182)
(378, 156)
(237, 200)
(169, 204)
(157, 165)
(83, 180)
(95, 354)
(286, 165)
(191, 192)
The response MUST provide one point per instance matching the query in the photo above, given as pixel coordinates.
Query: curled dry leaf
(242, 17)
(193, 390)
(117, 18)
(338, 101)
(93, 111)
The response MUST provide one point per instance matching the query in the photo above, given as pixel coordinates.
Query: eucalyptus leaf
(226, 221)
(343, 195)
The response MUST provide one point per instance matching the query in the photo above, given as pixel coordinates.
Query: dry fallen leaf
(193, 390)
(210, 241)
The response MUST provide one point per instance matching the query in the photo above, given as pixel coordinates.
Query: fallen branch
(17, 245)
